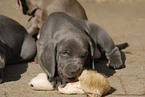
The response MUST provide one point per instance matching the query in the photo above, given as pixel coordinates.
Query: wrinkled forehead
(73, 44)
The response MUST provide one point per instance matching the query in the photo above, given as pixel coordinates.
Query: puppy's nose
(74, 69)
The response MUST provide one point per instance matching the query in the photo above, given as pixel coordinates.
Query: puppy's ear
(48, 59)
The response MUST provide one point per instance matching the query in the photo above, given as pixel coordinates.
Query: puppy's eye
(65, 53)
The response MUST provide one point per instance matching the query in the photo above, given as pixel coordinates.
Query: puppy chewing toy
(90, 82)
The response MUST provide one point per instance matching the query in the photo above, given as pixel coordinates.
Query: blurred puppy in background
(41, 9)
(16, 45)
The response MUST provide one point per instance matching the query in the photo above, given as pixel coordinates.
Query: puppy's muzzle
(72, 72)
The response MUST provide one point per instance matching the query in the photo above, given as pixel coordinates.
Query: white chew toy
(90, 82)
(40, 82)
(71, 88)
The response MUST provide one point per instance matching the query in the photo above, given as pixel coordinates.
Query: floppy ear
(48, 59)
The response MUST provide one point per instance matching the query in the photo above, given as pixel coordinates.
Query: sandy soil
(124, 21)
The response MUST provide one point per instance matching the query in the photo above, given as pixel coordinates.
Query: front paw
(57, 81)
(40, 82)
(114, 58)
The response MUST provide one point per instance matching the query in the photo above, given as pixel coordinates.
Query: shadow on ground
(101, 67)
(13, 72)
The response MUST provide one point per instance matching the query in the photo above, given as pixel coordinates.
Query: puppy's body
(68, 45)
(41, 9)
(16, 45)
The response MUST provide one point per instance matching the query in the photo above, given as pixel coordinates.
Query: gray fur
(16, 45)
(68, 45)
(41, 9)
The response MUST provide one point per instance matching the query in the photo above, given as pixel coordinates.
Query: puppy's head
(71, 57)
(67, 54)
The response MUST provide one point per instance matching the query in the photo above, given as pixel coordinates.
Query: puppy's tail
(122, 46)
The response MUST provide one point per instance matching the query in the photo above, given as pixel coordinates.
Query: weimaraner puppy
(67, 45)
(16, 45)
(41, 9)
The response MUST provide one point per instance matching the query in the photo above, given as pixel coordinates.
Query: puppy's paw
(115, 64)
(40, 82)
(71, 88)
(114, 58)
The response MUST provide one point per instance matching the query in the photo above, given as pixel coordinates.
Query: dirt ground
(124, 21)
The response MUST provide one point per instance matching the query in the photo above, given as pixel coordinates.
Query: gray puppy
(68, 45)
(41, 9)
(16, 45)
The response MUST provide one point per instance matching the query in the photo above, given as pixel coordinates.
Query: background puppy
(16, 45)
(41, 9)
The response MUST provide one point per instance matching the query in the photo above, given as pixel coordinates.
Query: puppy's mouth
(72, 79)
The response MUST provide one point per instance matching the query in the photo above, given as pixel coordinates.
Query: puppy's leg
(112, 53)
(102, 38)
(114, 58)
(2, 62)
(35, 23)
(28, 49)
(32, 27)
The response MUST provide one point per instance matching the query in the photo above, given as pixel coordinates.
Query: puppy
(41, 9)
(67, 45)
(16, 45)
